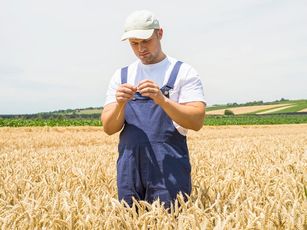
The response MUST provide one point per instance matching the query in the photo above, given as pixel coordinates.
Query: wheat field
(244, 177)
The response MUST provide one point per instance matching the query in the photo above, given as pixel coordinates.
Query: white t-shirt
(187, 88)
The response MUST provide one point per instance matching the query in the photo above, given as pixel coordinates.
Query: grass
(255, 119)
(209, 120)
(295, 108)
(12, 122)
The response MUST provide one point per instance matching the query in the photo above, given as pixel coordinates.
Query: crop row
(209, 120)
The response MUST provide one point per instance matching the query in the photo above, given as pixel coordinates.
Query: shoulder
(130, 69)
(186, 71)
(185, 67)
(132, 65)
(190, 85)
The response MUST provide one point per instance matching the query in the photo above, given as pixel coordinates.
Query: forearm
(189, 115)
(113, 117)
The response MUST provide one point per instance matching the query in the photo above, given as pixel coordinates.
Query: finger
(129, 86)
(123, 95)
(126, 90)
(146, 80)
(147, 85)
(151, 95)
(149, 90)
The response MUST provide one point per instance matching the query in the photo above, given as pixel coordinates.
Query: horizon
(99, 107)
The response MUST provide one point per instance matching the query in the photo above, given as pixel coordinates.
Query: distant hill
(255, 107)
(260, 107)
(89, 110)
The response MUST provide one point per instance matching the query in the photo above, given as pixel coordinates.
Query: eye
(147, 40)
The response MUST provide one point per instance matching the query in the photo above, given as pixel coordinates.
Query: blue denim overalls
(153, 157)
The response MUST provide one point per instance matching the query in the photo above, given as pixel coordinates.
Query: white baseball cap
(140, 24)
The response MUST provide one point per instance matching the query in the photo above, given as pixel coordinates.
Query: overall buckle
(165, 90)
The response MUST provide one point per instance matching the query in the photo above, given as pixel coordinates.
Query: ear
(160, 33)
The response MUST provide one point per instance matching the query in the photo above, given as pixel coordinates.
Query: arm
(113, 115)
(112, 118)
(189, 115)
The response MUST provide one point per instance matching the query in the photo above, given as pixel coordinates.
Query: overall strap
(171, 81)
(173, 76)
(123, 74)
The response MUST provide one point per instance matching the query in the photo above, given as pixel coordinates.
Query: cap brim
(138, 34)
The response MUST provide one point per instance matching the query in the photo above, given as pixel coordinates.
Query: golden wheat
(244, 177)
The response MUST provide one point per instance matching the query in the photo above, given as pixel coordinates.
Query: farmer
(153, 102)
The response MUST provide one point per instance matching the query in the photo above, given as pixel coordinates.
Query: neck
(160, 57)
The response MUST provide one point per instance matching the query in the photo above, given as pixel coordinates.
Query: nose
(141, 47)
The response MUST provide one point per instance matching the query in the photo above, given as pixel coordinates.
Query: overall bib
(153, 157)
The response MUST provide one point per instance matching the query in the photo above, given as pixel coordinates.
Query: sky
(61, 54)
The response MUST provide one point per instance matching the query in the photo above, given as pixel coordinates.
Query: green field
(295, 106)
(209, 120)
(17, 122)
(255, 119)
(91, 116)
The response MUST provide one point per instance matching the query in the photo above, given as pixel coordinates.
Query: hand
(151, 89)
(125, 93)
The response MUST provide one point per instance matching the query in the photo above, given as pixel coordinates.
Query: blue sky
(61, 54)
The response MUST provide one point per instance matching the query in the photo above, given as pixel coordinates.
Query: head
(143, 31)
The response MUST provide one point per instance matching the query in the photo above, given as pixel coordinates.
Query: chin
(145, 61)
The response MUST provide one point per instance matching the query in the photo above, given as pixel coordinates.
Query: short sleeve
(191, 88)
(113, 85)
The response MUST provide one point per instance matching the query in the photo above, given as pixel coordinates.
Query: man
(153, 101)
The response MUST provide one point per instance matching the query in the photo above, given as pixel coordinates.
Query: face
(148, 50)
